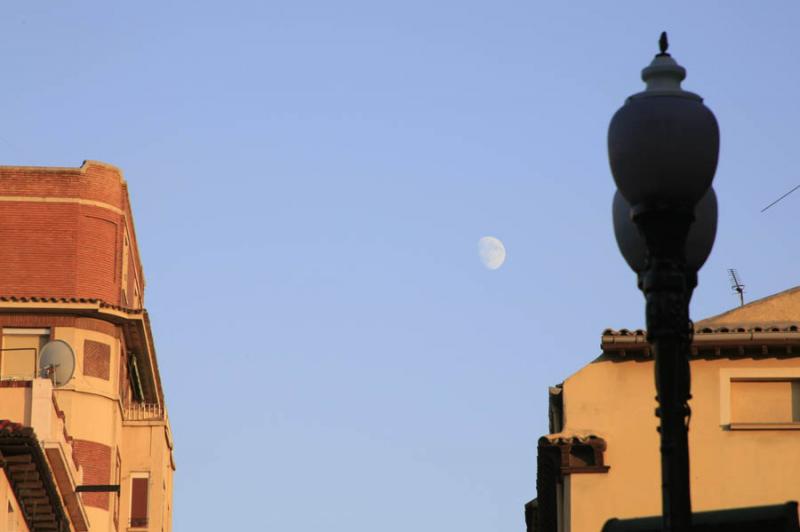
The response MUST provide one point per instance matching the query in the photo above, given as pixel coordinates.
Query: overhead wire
(777, 200)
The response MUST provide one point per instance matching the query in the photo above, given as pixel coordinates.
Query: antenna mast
(736, 285)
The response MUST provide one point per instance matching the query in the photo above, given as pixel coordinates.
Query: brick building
(91, 449)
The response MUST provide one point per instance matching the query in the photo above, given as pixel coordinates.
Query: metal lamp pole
(663, 146)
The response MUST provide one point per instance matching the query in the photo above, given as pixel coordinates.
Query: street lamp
(663, 145)
(698, 242)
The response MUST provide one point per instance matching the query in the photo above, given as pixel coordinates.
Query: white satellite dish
(57, 361)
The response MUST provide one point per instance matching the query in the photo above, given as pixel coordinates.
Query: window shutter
(139, 502)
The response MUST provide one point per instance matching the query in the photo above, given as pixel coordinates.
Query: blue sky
(309, 182)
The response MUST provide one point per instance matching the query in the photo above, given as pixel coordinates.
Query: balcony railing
(143, 412)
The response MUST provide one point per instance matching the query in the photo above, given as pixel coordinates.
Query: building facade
(601, 459)
(86, 447)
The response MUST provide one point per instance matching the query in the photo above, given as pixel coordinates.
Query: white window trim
(27, 332)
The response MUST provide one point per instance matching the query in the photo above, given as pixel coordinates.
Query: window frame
(728, 375)
(43, 333)
(134, 476)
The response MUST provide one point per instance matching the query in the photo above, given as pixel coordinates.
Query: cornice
(135, 324)
(742, 341)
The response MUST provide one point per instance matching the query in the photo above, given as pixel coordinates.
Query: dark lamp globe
(663, 143)
(698, 243)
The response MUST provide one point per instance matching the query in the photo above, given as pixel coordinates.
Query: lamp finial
(663, 43)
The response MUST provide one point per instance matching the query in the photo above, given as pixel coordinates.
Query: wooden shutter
(139, 502)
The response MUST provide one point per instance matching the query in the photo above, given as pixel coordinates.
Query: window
(139, 485)
(19, 352)
(760, 398)
(762, 401)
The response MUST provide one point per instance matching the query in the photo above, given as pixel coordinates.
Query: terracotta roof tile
(20, 442)
(573, 439)
(781, 309)
(749, 327)
(9, 427)
(744, 340)
(766, 327)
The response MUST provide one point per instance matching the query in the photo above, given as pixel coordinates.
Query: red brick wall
(38, 251)
(95, 460)
(92, 181)
(97, 258)
(135, 270)
(131, 280)
(54, 249)
(96, 359)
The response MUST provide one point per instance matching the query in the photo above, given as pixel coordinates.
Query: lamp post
(663, 145)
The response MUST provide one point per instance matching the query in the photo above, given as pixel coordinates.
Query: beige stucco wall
(94, 412)
(10, 521)
(92, 409)
(15, 404)
(146, 449)
(75, 338)
(729, 468)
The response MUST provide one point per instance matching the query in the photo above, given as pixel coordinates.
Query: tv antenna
(777, 200)
(736, 285)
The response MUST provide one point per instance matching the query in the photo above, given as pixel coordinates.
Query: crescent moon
(492, 252)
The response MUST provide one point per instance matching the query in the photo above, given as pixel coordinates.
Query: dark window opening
(139, 501)
(581, 456)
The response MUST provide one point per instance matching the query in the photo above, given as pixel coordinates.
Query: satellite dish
(57, 361)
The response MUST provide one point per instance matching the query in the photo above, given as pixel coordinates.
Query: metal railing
(29, 376)
(143, 412)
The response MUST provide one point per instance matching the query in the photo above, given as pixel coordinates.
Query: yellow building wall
(15, 404)
(95, 413)
(729, 468)
(92, 410)
(145, 446)
(11, 519)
